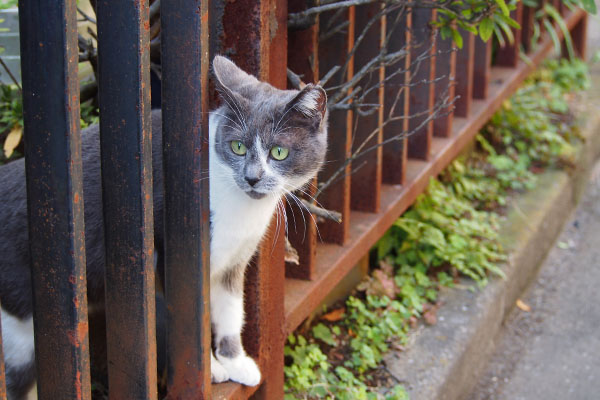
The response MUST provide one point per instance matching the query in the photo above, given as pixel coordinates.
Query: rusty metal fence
(254, 34)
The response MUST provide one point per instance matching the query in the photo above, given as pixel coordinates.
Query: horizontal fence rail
(156, 227)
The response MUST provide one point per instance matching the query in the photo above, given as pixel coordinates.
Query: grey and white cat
(264, 142)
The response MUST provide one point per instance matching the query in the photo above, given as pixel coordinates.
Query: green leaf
(503, 7)
(457, 38)
(486, 28)
(323, 333)
(589, 6)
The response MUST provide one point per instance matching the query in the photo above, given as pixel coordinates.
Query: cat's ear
(311, 102)
(229, 76)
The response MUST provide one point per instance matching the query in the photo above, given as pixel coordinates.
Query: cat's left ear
(311, 102)
(229, 76)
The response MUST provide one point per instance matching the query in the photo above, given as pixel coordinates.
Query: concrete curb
(444, 361)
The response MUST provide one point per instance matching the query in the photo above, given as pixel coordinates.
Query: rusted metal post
(333, 51)
(482, 68)
(302, 53)
(264, 337)
(445, 68)
(126, 154)
(396, 99)
(2, 374)
(185, 68)
(253, 33)
(422, 95)
(464, 75)
(527, 27)
(508, 56)
(55, 197)
(365, 193)
(579, 36)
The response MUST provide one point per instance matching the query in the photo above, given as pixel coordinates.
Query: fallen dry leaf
(523, 306)
(413, 321)
(334, 315)
(430, 317)
(386, 267)
(12, 140)
(430, 313)
(291, 255)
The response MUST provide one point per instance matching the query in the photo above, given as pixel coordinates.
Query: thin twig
(321, 212)
(85, 16)
(12, 77)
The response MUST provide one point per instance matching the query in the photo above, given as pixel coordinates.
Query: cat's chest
(238, 224)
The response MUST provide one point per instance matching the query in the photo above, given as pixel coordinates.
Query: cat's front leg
(227, 315)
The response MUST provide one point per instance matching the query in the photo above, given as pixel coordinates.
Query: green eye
(279, 153)
(238, 147)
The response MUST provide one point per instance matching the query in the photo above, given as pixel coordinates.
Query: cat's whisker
(299, 203)
(310, 197)
(239, 127)
(284, 215)
(238, 112)
(281, 118)
(293, 214)
(303, 207)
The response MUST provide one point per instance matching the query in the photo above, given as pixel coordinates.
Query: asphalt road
(552, 350)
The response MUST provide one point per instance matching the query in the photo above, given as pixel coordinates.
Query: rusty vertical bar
(2, 371)
(333, 51)
(445, 69)
(464, 75)
(508, 56)
(49, 58)
(263, 332)
(561, 8)
(422, 95)
(482, 68)
(302, 53)
(396, 99)
(527, 27)
(540, 6)
(267, 284)
(253, 33)
(579, 37)
(366, 178)
(126, 158)
(185, 66)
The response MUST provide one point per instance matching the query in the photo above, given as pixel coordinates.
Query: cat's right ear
(311, 103)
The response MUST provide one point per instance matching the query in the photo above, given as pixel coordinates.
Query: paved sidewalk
(553, 351)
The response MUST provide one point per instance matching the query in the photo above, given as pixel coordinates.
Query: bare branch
(321, 212)
(85, 16)
(12, 77)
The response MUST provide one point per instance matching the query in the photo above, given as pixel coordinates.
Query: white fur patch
(238, 222)
(242, 369)
(226, 310)
(309, 103)
(17, 340)
(218, 373)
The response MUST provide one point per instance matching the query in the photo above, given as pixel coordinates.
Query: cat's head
(273, 140)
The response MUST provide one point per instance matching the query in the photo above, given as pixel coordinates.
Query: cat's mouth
(255, 195)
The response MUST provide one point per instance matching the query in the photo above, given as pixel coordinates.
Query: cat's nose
(252, 180)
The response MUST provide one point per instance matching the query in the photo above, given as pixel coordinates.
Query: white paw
(218, 373)
(241, 369)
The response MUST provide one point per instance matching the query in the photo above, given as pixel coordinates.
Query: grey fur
(229, 346)
(233, 279)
